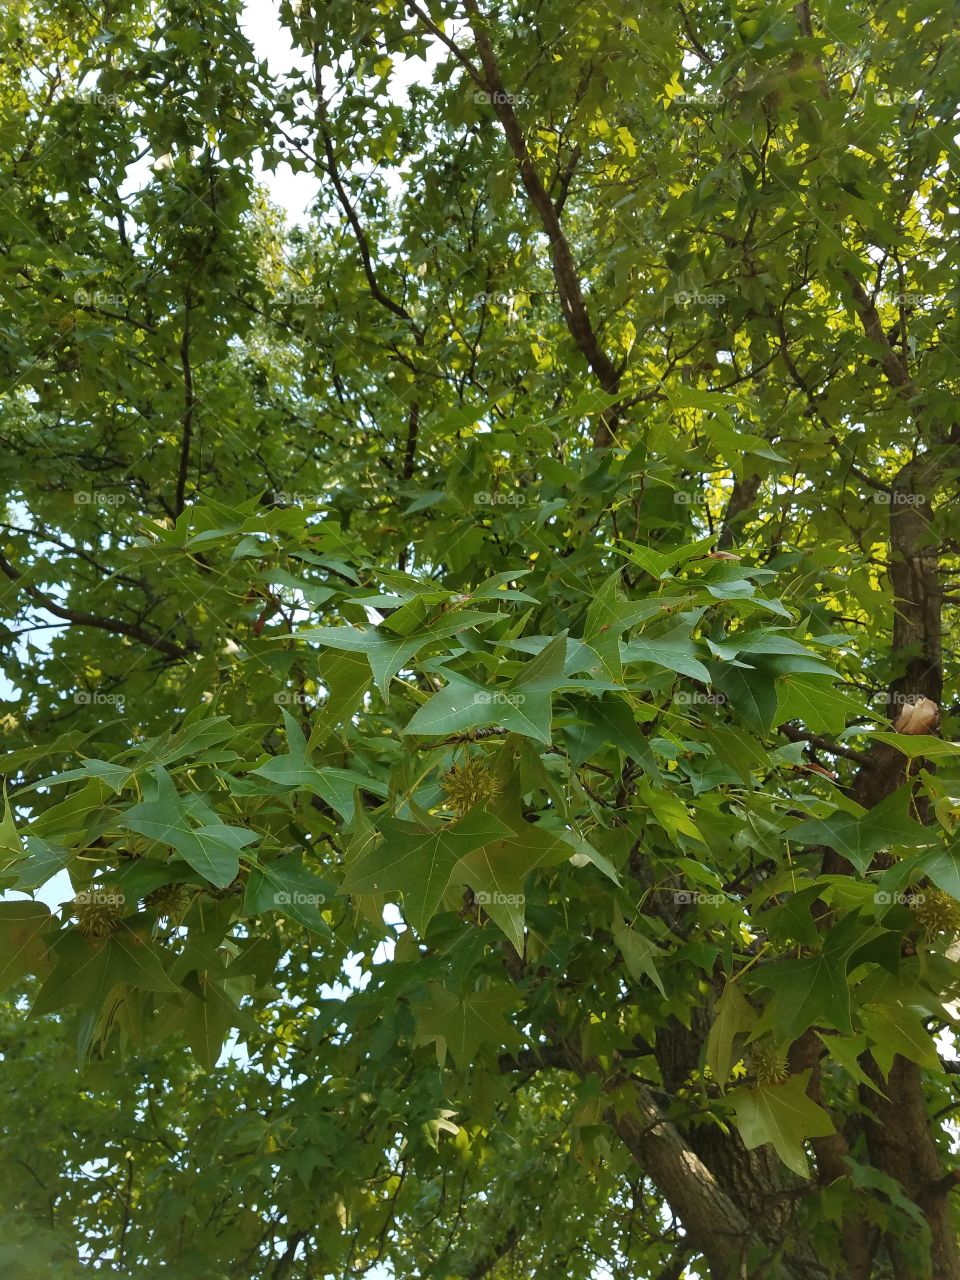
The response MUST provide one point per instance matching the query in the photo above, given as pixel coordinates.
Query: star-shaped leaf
(813, 991)
(524, 705)
(295, 771)
(417, 861)
(781, 1114)
(496, 872)
(859, 838)
(461, 1025)
(733, 1015)
(674, 650)
(290, 888)
(814, 700)
(387, 653)
(22, 946)
(212, 849)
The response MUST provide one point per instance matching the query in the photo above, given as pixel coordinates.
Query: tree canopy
(480, 790)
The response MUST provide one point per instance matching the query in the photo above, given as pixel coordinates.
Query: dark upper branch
(824, 744)
(80, 619)
(363, 244)
(894, 366)
(189, 403)
(575, 311)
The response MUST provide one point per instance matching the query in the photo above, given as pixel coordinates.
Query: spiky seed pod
(98, 912)
(170, 900)
(767, 1063)
(937, 912)
(469, 784)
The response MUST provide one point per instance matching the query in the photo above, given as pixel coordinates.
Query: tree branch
(572, 302)
(81, 619)
(188, 407)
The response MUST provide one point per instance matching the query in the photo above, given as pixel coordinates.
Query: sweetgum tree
(480, 789)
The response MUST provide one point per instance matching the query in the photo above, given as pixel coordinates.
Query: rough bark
(899, 1141)
(765, 1192)
(899, 1133)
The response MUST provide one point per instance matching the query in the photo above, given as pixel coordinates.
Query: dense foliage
(480, 789)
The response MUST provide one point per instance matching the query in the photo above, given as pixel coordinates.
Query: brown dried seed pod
(917, 715)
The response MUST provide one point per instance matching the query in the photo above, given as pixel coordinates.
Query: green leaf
(814, 700)
(898, 1030)
(813, 991)
(207, 1017)
(347, 678)
(782, 1115)
(847, 1050)
(461, 1025)
(609, 720)
(462, 705)
(22, 945)
(734, 1016)
(943, 868)
(674, 650)
(85, 970)
(639, 955)
(139, 961)
(752, 693)
(659, 563)
(44, 859)
(885, 826)
(496, 873)
(605, 622)
(418, 862)
(11, 847)
(212, 849)
(286, 886)
(386, 653)
(916, 745)
(792, 920)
